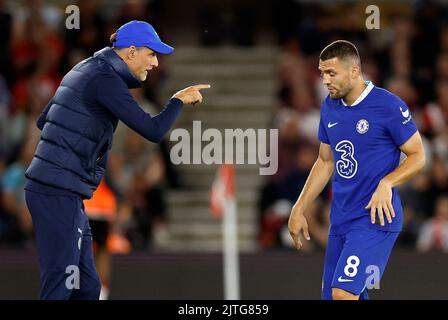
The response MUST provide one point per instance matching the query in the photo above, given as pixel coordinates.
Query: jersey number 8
(351, 269)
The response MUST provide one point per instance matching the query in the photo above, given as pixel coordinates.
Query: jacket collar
(113, 59)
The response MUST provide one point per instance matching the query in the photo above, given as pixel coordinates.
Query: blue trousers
(64, 245)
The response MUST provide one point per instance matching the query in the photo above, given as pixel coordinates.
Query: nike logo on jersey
(340, 279)
(331, 124)
(404, 113)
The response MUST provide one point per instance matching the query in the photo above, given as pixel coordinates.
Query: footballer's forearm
(406, 170)
(318, 178)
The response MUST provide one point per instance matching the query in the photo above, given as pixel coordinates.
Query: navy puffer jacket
(79, 121)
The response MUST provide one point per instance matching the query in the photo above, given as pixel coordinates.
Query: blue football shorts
(355, 261)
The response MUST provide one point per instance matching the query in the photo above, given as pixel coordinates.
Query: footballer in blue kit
(362, 132)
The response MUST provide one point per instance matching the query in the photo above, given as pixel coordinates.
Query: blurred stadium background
(261, 59)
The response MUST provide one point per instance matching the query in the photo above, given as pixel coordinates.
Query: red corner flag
(223, 189)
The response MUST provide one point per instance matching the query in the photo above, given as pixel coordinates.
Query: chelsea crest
(362, 126)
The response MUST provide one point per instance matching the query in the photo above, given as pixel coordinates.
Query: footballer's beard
(339, 93)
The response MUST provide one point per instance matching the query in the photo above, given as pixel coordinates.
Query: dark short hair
(341, 49)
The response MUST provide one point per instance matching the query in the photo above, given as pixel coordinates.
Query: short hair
(112, 38)
(341, 49)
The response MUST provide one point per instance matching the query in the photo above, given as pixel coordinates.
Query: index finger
(202, 86)
(372, 214)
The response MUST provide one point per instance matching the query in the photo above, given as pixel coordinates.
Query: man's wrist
(386, 182)
(176, 101)
(297, 209)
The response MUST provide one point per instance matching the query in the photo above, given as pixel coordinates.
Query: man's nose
(325, 80)
(155, 62)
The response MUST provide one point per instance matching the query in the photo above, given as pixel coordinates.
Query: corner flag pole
(223, 203)
(230, 251)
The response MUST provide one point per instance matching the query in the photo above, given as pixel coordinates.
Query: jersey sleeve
(322, 133)
(400, 124)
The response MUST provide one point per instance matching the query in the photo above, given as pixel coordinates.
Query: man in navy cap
(70, 160)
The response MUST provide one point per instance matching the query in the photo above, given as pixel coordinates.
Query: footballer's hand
(297, 223)
(381, 202)
(191, 95)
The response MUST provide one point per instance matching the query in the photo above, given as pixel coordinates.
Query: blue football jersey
(365, 139)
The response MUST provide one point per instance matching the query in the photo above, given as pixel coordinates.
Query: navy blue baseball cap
(140, 34)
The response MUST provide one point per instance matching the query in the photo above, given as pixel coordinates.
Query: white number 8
(352, 266)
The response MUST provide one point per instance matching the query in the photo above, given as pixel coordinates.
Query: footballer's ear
(356, 70)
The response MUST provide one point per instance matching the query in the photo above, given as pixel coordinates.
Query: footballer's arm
(381, 200)
(318, 178)
(415, 161)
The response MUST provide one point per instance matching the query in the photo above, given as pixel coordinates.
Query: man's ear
(132, 51)
(356, 71)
